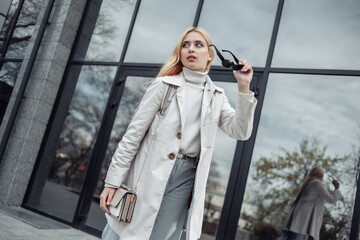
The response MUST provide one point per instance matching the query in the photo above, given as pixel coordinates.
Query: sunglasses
(227, 63)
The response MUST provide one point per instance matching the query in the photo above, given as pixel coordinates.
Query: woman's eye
(185, 45)
(199, 45)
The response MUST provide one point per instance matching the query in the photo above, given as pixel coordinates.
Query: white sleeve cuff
(110, 185)
(247, 96)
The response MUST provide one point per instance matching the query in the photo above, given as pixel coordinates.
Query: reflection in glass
(2, 20)
(325, 35)
(222, 159)
(8, 74)
(244, 27)
(111, 28)
(130, 99)
(158, 27)
(76, 142)
(305, 121)
(23, 29)
(9, 17)
(6, 26)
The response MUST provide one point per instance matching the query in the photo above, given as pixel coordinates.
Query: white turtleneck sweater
(195, 85)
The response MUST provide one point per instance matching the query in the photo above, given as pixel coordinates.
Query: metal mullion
(12, 60)
(354, 230)
(336, 72)
(198, 12)
(97, 63)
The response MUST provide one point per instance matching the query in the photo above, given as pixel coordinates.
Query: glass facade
(158, 26)
(246, 29)
(109, 35)
(16, 28)
(306, 121)
(306, 80)
(76, 142)
(324, 35)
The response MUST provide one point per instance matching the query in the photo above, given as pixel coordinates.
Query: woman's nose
(191, 48)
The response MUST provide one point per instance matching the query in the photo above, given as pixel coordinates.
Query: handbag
(123, 202)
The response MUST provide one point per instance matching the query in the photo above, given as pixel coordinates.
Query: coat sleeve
(331, 198)
(130, 142)
(238, 123)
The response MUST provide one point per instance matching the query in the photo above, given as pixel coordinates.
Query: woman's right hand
(336, 184)
(105, 198)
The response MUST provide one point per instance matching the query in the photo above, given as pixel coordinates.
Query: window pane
(319, 34)
(2, 19)
(133, 92)
(8, 74)
(4, 6)
(158, 27)
(76, 142)
(243, 27)
(110, 31)
(306, 121)
(5, 29)
(24, 29)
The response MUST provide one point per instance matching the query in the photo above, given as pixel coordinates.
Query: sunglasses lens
(238, 66)
(226, 63)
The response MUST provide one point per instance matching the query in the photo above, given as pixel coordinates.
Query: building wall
(39, 97)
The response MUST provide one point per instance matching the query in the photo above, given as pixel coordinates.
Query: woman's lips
(191, 58)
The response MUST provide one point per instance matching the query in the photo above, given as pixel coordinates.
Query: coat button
(178, 135)
(172, 156)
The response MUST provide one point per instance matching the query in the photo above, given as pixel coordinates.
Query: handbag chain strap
(161, 113)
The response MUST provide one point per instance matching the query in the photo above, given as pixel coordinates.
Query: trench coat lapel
(208, 94)
(180, 97)
(179, 82)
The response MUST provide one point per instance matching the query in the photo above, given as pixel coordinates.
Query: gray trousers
(171, 218)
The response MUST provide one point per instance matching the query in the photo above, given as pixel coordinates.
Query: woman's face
(194, 53)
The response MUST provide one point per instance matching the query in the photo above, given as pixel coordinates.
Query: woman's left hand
(244, 76)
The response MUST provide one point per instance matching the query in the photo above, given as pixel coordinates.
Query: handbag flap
(119, 194)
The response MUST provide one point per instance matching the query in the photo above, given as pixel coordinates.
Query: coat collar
(178, 81)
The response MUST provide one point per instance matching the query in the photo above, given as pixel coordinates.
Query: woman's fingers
(246, 67)
(105, 198)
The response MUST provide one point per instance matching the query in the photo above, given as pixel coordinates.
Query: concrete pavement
(21, 224)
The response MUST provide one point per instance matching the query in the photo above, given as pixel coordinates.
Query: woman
(306, 215)
(171, 189)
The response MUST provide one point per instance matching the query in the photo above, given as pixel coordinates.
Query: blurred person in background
(306, 216)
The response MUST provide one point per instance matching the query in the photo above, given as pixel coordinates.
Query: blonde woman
(171, 189)
(306, 216)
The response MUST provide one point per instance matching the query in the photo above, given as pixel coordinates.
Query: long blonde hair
(173, 65)
(315, 173)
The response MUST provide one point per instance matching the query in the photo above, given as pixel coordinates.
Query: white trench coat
(215, 111)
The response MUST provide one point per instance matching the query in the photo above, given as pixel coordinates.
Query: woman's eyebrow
(196, 41)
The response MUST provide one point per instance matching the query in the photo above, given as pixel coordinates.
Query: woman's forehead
(194, 36)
